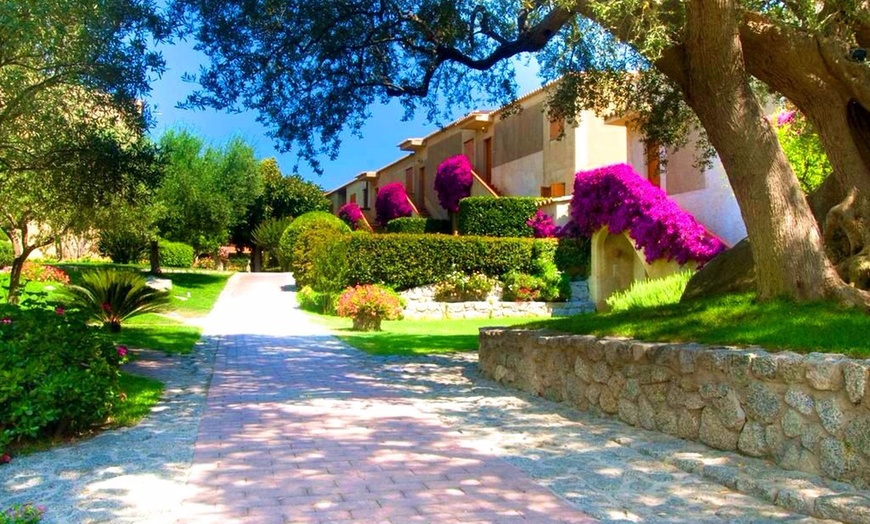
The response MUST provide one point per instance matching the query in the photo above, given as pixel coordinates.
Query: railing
(487, 189)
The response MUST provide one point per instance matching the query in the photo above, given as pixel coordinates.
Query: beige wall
(599, 144)
(519, 135)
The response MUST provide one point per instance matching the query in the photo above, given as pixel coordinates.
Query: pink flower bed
(618, 198)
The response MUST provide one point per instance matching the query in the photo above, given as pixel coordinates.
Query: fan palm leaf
(112, 296)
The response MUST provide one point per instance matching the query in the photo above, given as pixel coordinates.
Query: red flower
(107, 307)
(6, 320)
(59, 310)
(122, 351)
(5, 458)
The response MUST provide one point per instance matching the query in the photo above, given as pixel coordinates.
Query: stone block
(593, 393)
(844, 507)
(595, 350)
(792, 423)
(583, 370)
(811, 436)
(654, 375)
(616, 384)
(752, 440)
(739, 366)
(655, 393)
(631, 389)
(646, 414)
(687, 360)
(608, 401)
(824, 372)
(790, 367)
(600, 372)
(855, 377)
(857, 435)
(628, 412)
(689, 424)
(774, 439)
(666, 420)
(830, 414)
(764, 366)
(714, 433)
(800, 401)
(793, 456)
(762, 403)
(677, 397)
(726, 407)
(837, 460)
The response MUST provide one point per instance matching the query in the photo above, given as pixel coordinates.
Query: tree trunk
(257, 259)
(154, 257)
(786, 241)
(14, 290)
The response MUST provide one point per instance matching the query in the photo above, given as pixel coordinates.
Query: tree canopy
(313, 68)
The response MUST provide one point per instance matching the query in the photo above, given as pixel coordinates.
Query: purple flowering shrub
(453, 181)
(618, 198)
(351, 214)
(392, 202)
(543, 226)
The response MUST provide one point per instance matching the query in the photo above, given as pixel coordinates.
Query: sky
(378, 147)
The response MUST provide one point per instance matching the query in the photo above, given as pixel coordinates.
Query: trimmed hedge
(304, 222)
(403, 261)
(6, 253)
(418, 225)
(573, 256)
(175, 254)
(497, 217)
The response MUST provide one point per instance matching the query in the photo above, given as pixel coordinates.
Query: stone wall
(420, 304)
(804, 412)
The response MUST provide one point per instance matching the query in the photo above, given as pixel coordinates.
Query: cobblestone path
(297, 427)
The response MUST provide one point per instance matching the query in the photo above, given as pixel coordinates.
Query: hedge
(175, 254)
(418, 225)
(497, 217)
(304, 222)
(6, 253)
(403, 261)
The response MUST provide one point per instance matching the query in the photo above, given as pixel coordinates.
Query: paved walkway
(297, 427)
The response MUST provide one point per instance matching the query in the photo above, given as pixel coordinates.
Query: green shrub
(113, 296)
(404, 261)
(651, 293)
(6, 253)
(544, 282)
(21, 514)
(317, 301)
(573, 256)
(123, 246)
(267, 236)
(418, 225)
(175, 254)
(57, 375)
(459, 287)
(304, 222)
(497, 217)
(320, 259)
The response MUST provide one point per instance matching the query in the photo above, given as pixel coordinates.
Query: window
(557, 128)
(545, 191)
(365, 199)
(557, 190)
(468, 150)
(653, 163)
(409, 180)
(353, 197)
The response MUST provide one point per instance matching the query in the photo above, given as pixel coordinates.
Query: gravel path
(338, 433)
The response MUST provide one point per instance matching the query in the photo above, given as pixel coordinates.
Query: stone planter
(803, 412)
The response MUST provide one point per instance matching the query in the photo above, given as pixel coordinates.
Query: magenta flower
(543, 226)
(106, 307)
(5, 458)
(59, 310)
(453, 181)
(392, 202)
(122, 351)
(351, 214)
(618, 198)
(6, 320)
(784, 118)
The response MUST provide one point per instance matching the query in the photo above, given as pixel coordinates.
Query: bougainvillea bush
(368, 305)
(392, 202)
(618, 198)
(543, 226)
(453, 181)
(352, 215)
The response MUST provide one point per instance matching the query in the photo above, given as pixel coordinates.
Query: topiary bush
(403, 261)
(123, 246)
(497, 217)
(59, 376)
(6, 253)
(368, 305)
(573, 256)
(353, 216)
(304, 222)
(418, 225)
(392, 202)
(175, 254)
(320, 259)
(453, 180)
(618, 198)
(112, 296)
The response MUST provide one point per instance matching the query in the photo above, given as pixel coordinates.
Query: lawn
(140, 395)
(734, 320)
(415, 337)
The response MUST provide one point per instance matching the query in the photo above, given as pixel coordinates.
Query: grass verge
(141, 393)
(158, 332)
(415, 337)
(733, 320)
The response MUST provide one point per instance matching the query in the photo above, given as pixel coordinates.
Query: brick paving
(294, 430)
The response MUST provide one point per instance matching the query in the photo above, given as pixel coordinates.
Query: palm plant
(112, 296)
(267, 236)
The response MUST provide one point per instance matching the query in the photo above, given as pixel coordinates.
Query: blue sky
(382, 133)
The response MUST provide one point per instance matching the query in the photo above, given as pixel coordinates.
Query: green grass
(142, 394)
(158, 332)
(414, 337)
(734, 320)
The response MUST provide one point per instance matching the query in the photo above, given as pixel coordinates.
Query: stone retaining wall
(804, 412)
(420, 304)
